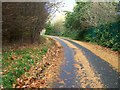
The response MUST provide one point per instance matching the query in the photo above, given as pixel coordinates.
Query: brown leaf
(42, 81)
(62, 82)
(13, 57)
(47, 63)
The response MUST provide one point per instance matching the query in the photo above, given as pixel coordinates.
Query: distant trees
(55, 28)
(49, 29)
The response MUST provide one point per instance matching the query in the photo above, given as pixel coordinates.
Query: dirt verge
(105, 53)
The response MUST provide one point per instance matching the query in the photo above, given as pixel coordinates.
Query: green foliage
(44, 50)
(106, 35)
(74, 20)
(14, 67)
(94, 22)
(69, 33)
(55, 28)
(50, 29)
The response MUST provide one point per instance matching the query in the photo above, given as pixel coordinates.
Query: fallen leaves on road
(86, 74)
(105, 53)
(61, 82)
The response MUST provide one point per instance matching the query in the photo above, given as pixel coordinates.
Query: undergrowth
(17, 62)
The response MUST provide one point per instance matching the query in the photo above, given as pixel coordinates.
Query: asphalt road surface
(108, 77)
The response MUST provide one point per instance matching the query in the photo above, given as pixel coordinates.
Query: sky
(68, 6)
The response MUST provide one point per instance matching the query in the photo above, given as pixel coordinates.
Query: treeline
(94, 22)
(55, 28)
(23, 21)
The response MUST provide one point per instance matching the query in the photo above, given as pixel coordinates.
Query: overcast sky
(68, 6)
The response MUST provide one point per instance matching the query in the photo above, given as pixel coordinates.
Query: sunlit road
(107, 77)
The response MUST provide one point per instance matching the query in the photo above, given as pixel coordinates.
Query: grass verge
(16, 62)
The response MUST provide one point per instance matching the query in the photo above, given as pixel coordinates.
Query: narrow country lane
(68, 77)
(60, 44)
(103, 74)
(108, 76)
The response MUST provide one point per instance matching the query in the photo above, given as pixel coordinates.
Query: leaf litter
(44, 73)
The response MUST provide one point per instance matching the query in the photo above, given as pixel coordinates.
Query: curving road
(108, 77)
(67, 75)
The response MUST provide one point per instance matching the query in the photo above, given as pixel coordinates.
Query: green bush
(106, 35)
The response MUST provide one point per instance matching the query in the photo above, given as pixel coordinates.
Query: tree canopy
(23, 21)
(96, 22)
